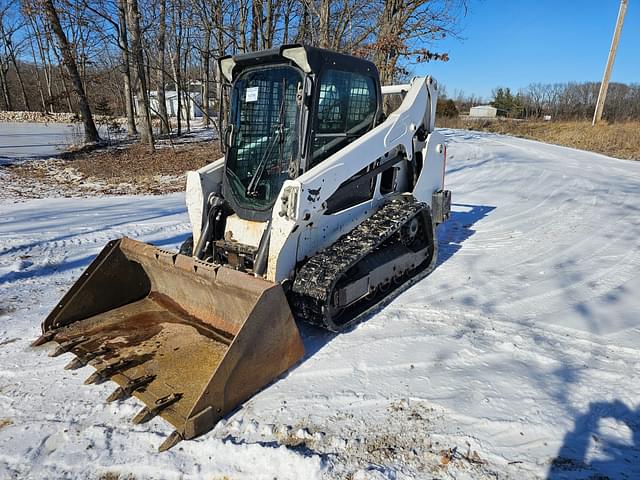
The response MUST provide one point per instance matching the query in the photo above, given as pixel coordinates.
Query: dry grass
(619, 140)
(135, 162)
(5, 422)
(128, 170)
(116, 476)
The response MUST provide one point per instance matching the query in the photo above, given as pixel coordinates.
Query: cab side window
(346, 110)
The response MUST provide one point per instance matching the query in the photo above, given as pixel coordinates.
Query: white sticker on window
(252, 94)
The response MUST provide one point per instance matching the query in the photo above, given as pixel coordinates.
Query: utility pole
(604, 86)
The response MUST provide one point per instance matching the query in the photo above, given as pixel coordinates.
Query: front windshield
(264, 115)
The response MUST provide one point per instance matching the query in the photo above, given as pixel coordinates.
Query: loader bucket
(189, 339)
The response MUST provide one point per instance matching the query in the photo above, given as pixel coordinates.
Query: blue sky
(513, 43)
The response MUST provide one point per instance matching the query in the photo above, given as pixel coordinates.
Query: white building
(191, 103)
(483, 111)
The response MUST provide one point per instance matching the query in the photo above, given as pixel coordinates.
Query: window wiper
(252, 188)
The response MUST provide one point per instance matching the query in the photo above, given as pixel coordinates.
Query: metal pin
(108, 371)
(80, 362)
(147, 414)
(89, 356)
(133, 385)
(64, 347)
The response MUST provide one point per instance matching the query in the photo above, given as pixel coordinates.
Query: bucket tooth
(75, 363)
(170, 442)
(118, 394)
(144, 415)
(121, 393)
(147, 414)
(64, 347)
(95, 377)
(108, 371)
(44, 338)
(58, 351)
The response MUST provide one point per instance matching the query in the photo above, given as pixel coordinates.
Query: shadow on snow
(588, 453)
(83, 262)
(451, 235)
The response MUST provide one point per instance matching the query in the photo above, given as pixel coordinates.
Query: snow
(24, 140)
(21, 141)
(516, 358)
(27, 140)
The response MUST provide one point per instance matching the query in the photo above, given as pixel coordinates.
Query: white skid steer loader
(319, 208)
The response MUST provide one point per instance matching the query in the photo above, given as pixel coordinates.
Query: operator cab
(290, 108)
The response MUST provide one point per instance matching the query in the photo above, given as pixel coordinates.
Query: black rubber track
(316, 279)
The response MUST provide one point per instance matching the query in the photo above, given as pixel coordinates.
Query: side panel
(328, 228)
(283, 245)
(201, 183)
(432, 175)
(244, 231)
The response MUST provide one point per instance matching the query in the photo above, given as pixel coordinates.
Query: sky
(514, 43)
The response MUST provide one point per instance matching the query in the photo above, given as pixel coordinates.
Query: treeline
(97, 56)
(560, 101)
(569, 101)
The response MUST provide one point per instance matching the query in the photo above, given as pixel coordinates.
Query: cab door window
(347, 104)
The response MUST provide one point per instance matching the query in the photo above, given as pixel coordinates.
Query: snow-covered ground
(518, 357)
(24, 140)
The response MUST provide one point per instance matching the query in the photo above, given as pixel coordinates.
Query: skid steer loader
(321, 205)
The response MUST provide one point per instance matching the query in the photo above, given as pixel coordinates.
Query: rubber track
(309, 295)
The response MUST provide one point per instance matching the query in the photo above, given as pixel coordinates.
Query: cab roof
(310, 59)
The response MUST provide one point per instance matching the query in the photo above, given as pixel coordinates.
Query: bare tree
(120, 47)
(242, 21)
(256, 23)
(90, 131)
(144, 113)
(123, 43)
(37, 74)
(405, 29)
(325, 9)
(35, 28)
(161, 45)
(8, 30)
(4, 69)
(178, 33)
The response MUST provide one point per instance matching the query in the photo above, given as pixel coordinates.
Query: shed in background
(483, 111)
